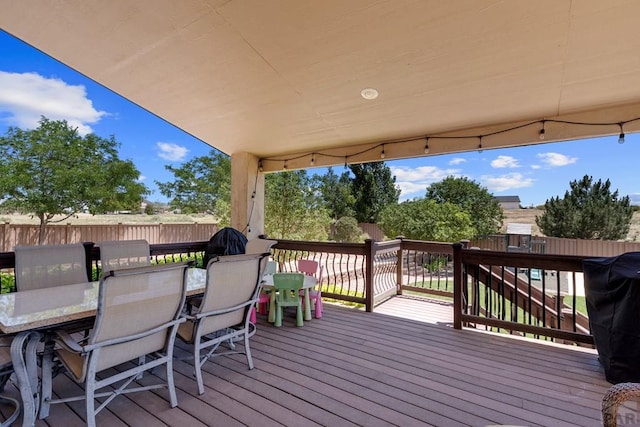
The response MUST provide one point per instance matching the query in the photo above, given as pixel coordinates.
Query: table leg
(307, 305)
(24, 360)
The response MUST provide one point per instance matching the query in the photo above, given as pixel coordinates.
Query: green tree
(484, 210)
(150, 208)
(588, 211)
(374, 189)
(293, 207)
(426, 219)
(52, 170)
(348, 230)
(203, 184)
(337, 193)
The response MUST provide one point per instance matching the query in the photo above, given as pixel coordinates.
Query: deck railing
(518, 293)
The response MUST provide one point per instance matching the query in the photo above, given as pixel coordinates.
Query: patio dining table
(30, 314)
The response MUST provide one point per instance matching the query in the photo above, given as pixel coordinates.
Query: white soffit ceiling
(279, 77)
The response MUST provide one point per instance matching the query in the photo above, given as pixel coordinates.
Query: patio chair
(259, 246)
(138, 314)
(287, 287)
(312, 268)
(18, 355)
(232, 287)
(6, 369)
(47, 266)
(264, 297)
(119, 254)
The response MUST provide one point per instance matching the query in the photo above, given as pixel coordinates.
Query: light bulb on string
(260, 166)
(426, 147)
(313, 160)
(284, 165)
(621, 137)
(480, 144)
(345, 162)
(382, 155)
(541, 135)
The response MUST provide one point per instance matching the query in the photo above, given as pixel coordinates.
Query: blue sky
(33, 85)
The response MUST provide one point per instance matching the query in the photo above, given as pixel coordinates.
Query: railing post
(6, 237)
(399, 264)
(368, 278)
(457, 285)
(88, 249)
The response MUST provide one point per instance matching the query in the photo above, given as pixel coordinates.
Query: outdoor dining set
(60, 320)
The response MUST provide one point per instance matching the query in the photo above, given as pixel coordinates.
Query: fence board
(12, 235)
(560, 246)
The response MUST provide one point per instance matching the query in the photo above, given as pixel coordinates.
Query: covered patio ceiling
(282, 79)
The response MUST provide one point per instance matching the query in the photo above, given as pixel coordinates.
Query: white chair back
(46, 266)
(119, 254)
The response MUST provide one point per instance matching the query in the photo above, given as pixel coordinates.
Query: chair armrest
(187, 316)
(67, 342)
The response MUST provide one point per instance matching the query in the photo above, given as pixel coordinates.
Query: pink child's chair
(312, 268)
(263, 297)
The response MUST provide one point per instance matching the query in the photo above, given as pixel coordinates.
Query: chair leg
(141, 361)
(278, 320)
(299, 316)
(197, 365)
(170, 383)
(247, 350)
(318, 307)
(90, 402)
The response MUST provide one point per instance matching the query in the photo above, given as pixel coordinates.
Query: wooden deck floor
(370, 369)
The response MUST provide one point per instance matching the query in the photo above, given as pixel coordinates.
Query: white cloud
(556, 159)
(506, 182)
(171, 152)
(25, 97)
(413, 182)
(457, 161)
(505, 162)
(141, 178)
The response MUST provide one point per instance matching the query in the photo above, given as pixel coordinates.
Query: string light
(541, 135)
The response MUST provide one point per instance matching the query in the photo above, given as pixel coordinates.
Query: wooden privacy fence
(26, 234)
(561, 246)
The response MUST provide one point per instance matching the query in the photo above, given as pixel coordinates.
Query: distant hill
(528, 216)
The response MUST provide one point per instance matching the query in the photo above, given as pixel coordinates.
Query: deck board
(401, 365)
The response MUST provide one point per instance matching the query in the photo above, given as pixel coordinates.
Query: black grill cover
(612, 290)
(227, 241)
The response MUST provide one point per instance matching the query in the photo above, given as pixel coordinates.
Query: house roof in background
(505, 199)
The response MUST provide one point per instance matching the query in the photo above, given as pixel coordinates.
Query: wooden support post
(368, 278)
(457, 285)
(399, 266)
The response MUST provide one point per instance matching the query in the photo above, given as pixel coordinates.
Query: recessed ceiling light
(369, 93)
